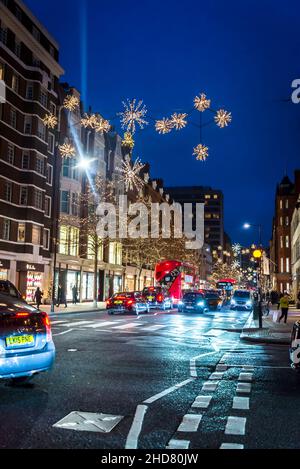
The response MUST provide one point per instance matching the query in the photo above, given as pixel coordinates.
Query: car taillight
(46, 322)
(159, 297)
(108, 302)
(22, 315)
(130, 302)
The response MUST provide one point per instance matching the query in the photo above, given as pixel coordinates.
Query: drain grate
(89, 422)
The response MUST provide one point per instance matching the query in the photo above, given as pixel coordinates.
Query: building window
(21, 233)
(27, 125)
(43, 98)
(29, 91)
(115, 253)
(15, 83)
(36, 235)
(207, 196)
(215, 196)
(93, 244)
(38, 199)
(3, 35)
(7, 191)
(281, 264)
(64, 202)
(6, 229)
(35, 61)
(287, 221)
(281, 241)
(23, 195)
(75, 205)
(25, 160)
(36, 33)
(13, 117)
(287, 242)
(280, 204)
(51, 50)
(47, 206)
(39, 164)
(10, 153)
(52, 108)
(63, 240)
(18, 13)
(286, 203)
(281, 221)
(41, 130)
(74, 241)
(49, 172)
(46, 238)
(1, 71)
(18, 48)
(51, 140)
(287, 264)
(69, 240)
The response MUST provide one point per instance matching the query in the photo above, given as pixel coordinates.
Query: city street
(178, 380)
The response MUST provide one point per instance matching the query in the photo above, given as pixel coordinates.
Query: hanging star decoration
(71, 102)
(201, 102)
(67, 150)
(178, 121)
(236, 248)
(128, 140)
(223, 118)
(131, 174)
(95, 122)
(133, 115)
(50, 121)
(163, 126)
(201, 152)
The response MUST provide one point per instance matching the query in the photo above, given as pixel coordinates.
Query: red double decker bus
(175, 276)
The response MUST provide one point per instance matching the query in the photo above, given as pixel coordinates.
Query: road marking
(78, 323)
(128, 325)
(178, 444)
(153, 328)
(56, 322)
(214, 332)
(202, 402)
(136, 427)
(100, 324)
(235, 426)
(210, 386)
(63, 333)
(244, 388)
(245, 376)
(248, 367)
(168, 391)
(221, 367)
(240, 403)
(190, 423)
(231, 446)
(217, 375)
(193, 371)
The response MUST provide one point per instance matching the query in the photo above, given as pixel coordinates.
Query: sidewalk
(272, 332)
(87, 307)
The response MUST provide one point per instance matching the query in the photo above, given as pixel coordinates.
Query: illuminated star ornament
(201, 152)
(50, 121)
(67, 150)
(201, 103)
(163, 126)
(128, 140)
(178, 121)
(71, 102)
(133, 115)
(131, 174)
(95, 122)
(223, 118)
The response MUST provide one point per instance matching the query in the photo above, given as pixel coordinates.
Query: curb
(65, 313)
(260, 339)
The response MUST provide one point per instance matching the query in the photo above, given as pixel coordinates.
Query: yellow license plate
(118, 302)
(151, 298)
(19, 340)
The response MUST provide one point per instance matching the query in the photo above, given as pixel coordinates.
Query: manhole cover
(89, 422)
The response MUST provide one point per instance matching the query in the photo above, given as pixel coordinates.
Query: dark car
(26, 346)
(193, 302)
(127, 302)
(213, 299)
(158, 297)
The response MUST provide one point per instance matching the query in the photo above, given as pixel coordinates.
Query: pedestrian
(281, 295)
(38, 297)
(61, 296)
(274, 297)
(284, 305)
(74, 294)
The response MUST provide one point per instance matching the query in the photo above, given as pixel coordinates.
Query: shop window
(21, 232)
(36, 235)
(6, 229)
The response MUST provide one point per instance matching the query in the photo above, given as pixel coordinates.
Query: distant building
(295, 236)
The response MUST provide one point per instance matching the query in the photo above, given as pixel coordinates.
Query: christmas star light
(201, 103)
(163, 126)
(131, 174)
(178, 121)
(50, 121)
(128, 140)
(201, 152)
(71, 102)
(133, 115)
(67, 150)
(223, 118)
(95, 122)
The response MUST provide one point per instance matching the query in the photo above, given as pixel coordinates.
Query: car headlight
(249, 303)
(200, 303)
(232, 302)
(180, 303)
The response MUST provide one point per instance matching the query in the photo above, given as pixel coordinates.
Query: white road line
(193, 371)
(244, 388)
(221, 367)
(78, 323)
(178, 444)
(154, 328)
(240, 403)
(128, 325)
(201, 402)
(231, 446)
(217, 375)
(56, 322)
(235, 426)
(190, 423)
(63, 333)
(99, 324)
(136, 427)
(210, 386)
(168, 391)
(214, 332)
(248, 367)
(245, 376)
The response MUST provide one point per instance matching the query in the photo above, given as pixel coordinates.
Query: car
(26, 345)
(241, 300)
(127, 302)
(158, 297)
(213, 299)
(193, 302)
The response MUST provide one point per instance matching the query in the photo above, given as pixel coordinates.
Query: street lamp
(246, 226)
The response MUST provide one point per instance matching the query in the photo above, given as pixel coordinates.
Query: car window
(211, 295)
(242, 294)
(192, 296)
(122, 295)
(7, 288)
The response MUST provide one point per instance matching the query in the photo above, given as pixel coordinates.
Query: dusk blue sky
(242, 54)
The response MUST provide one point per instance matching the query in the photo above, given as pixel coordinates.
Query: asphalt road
(157, 372)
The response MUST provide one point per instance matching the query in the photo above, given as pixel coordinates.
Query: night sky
(243, 55)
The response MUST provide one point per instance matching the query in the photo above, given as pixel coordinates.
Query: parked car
(193, 302)
(127, 302)
(241, 300)
(26, 345)
(158, 297)
(213, 299)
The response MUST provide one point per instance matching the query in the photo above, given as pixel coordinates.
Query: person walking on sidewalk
(284, 306)
(38, 297)
(61, 296)
(74, 295)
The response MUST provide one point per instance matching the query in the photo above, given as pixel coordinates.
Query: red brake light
(22, 315)
(108, 302)
(46, 322)
(159, 297)
(129, 302)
